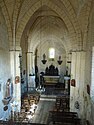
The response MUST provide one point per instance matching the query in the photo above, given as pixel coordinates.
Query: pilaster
(78, 74)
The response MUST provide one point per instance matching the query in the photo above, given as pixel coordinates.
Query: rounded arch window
(51, 53)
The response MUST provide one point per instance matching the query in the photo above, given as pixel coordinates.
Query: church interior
(47, 62)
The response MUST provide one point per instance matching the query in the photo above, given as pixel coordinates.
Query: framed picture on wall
(73, 82)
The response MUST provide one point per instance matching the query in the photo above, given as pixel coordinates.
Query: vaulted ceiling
(56, 21)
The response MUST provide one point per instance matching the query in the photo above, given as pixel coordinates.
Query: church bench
(73, 114)
(63, 102)
(65, 117)
(73, 121)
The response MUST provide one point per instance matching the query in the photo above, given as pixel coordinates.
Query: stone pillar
(33, 62)
(16, 106)
(15, 63)
(28, 63)
(12, 63)
(78, 74)
(69, 62)
(15, 68)
(29, 68)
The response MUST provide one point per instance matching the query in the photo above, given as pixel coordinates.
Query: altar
(51, 76)
(51, 80)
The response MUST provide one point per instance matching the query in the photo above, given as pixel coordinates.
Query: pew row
(64, 117)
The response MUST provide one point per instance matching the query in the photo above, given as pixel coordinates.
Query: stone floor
(42, 111)
(54, 91)
(45, 104)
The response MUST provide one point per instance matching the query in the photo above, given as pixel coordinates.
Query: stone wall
(77, 73)
(58, 52)
(89, 103)
(4, 62)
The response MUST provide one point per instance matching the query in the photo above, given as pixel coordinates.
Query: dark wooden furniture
(51, 80)
(51, 75)
(65, 117)
(62, 103)
(51, 71)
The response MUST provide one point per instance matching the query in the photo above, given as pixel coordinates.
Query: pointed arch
(73, 27)
(7, 19)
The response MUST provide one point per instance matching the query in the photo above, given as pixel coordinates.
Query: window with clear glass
(51, 53)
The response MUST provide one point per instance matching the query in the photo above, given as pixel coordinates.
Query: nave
(42, 112)
(48, 110)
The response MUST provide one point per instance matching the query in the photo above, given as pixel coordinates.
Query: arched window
(51, 53)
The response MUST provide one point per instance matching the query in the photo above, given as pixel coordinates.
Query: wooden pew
(72, 114)
(64, 117)
(73, 121)
(62, 103)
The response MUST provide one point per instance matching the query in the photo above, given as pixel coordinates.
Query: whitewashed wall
(77, 73)
(58, 52)
(4, 61)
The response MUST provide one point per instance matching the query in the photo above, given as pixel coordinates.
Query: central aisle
(42, 111)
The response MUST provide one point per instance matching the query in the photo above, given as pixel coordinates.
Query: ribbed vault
(62, 13)
(19, 13)
(47, 28)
